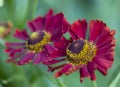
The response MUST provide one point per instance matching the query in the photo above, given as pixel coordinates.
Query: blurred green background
(20, 11)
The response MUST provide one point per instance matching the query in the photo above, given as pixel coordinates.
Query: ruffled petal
(37, 24)
(53, 61)
(21, 34)
(61, 48)
(83, 73)
(73, 35)
(12, 52)
(51, 69)
(50, 48)
(102, 66)
(91, 66)
(64, 70)
(14, 44)
(26, 58)
(50, 13)
(96, 28)
(15, 55)
(54, 23)
(104, 62)
(65, 26)
(79, 28)
(106, 38)
(62, 44)
(41, 57)
(56, 37)
(58, 53)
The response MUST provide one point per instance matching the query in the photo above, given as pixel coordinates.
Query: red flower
(37, 46)
(85, 51)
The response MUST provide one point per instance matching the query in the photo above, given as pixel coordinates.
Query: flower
(85, 55)
(5, 29)
(37, 46)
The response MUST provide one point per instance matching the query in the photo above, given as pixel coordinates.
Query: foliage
(19, 11)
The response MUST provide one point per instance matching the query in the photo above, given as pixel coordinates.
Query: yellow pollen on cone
(34, 35)
(84, 56)
(38, 47)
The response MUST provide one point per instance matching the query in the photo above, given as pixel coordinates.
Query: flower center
(81, 52)
(37, 41)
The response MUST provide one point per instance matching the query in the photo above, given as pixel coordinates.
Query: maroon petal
(50, 13)
(72, 69)
(73, 35)
(108, 56)
(91, 68)
(61, 48)
(53, 61)
(106, 44)
(107, 40)
(14, 44)
(11, 61)
(105, 35)
(103, 62)
(21, 34)
(101, 66)
(58, 53)
(19, 54)
(37, 24)
(102, 69)
(106, 49)
(62, 44)
(40, 58)
(55, 25)
(96, 27)
(51, 69)
(14, 51)
(64, 70)
(7, 50)
(48, 22)
(79, 28)
(65, 26)
(26, 58)
(31, 26)
(83, 73)
(50, 48)
(57, 37)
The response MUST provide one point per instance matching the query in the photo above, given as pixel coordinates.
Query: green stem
(34, 7)
(2, 41)
(115, 81)
(55, 81)
(95, 84)
(60, 82)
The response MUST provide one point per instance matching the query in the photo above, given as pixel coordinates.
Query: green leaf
(42, 81)
(4, 67)
(73, 80)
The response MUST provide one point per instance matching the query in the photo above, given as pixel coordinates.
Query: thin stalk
(95, 84)
(34, 7)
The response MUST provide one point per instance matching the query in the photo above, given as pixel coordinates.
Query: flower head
(37, 46)
(85, 55)
(5, 29)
